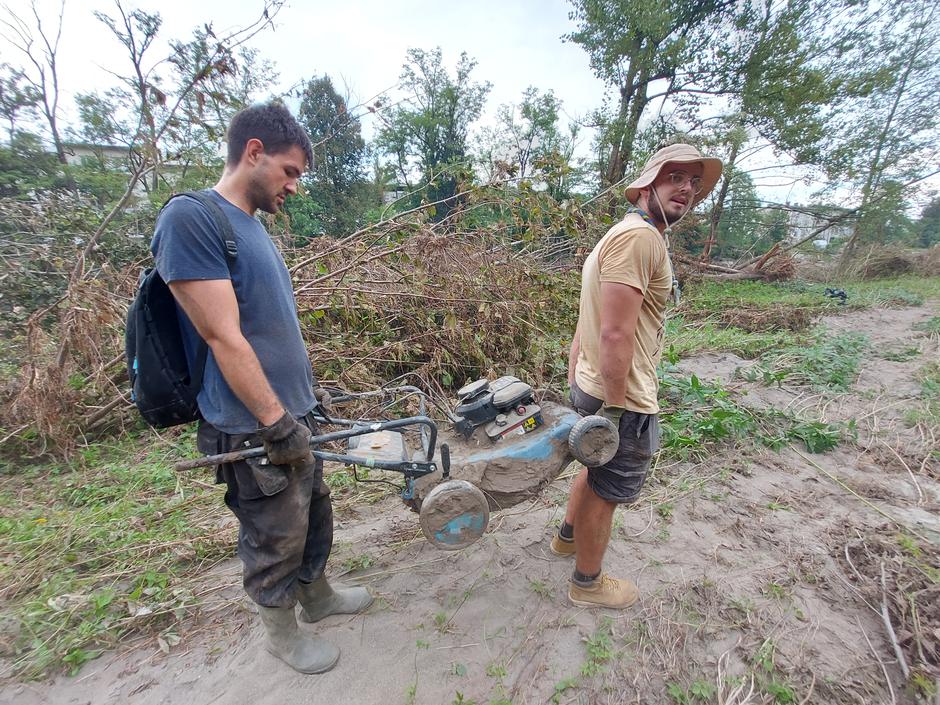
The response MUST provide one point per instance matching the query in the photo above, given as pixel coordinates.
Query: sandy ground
(738, 559)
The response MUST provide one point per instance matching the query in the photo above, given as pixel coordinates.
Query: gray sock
(582, 580)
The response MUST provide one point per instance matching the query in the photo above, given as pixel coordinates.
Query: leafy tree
(307, 217)
(775, 224)
(39, 46)
(26, 167)
(928, 225)
(884, 218)
(17, 97)
(888, 140)
(527, 144)
(740, 224)
(778, 87)
(172, 122)
(427, 134)
(337, 135)
(632, 45)
(336, 181)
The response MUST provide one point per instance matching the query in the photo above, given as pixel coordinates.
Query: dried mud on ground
(760, 574)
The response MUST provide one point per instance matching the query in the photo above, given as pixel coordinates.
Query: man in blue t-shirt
(258, 388)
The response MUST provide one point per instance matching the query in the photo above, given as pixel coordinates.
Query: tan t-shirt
(632, 252)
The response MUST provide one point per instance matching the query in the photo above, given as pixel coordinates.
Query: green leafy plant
(698, 415)
(932, 326)
(540, 588)
(563, 686)
(358, 562)
(900, 355)
(496, 670)
(600, 649)
(827, 362)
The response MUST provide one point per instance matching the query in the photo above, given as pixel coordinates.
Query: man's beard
(660, 211)
(261, 199)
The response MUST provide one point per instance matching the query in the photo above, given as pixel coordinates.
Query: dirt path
(740, 561)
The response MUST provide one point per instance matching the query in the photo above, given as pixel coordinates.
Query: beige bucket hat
(676, 154)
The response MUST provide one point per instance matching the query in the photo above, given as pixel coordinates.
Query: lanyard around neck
(676, 290)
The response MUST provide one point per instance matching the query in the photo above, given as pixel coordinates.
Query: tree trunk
(876, 168)
(720, 201)
(621, 143)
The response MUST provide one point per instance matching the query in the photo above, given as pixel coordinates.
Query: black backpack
(162, 385)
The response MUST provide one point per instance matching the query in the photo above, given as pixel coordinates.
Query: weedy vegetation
(698, 415)
(107, 546)
(826, 362)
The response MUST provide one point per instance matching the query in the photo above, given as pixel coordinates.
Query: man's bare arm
(213, 309)
(573, 353)
(620, 310)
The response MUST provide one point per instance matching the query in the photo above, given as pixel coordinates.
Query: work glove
(286, 441)
(323, 399)
(612, 413)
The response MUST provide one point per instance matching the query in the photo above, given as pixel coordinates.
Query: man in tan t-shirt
(626, 281)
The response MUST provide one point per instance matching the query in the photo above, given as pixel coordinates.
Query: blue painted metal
(453, 530)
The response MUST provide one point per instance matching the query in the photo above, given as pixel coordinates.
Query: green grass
(928, 411)
(685, 338)
(824, 362)
(600, 649)
(899, 354)
(101, 548)
(895, 291)
(696, 416)
(694, 328)
(700, 691)
(931, 326)
(715, 297)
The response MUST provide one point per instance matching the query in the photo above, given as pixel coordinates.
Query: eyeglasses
(681, 178)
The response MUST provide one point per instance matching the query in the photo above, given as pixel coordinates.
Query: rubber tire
(474, 517)
(593, 426)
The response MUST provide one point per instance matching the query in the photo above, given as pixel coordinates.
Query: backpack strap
(224, 226)
(222, 223)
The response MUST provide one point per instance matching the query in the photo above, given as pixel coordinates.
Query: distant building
(112, 154)
(801, 224)
(394, 192)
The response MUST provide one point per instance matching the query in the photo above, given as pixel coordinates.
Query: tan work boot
(561, 546)
(614, 593)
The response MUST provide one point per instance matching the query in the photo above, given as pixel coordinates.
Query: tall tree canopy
(427, 134)
(335, 182)
(632, 45)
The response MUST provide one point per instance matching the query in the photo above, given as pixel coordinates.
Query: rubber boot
(320, 600)
(303, 653)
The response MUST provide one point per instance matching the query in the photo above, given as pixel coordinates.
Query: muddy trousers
(285, 517)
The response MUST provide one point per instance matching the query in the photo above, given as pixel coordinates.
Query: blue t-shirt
(187, 245)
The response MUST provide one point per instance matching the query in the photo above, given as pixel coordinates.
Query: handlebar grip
(445, 461)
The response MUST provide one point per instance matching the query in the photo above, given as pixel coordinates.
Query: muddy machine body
(498, 448)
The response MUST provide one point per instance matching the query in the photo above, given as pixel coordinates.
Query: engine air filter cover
(469, 391)
(511, 394)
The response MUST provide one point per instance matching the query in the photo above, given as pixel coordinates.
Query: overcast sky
(361, 44)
